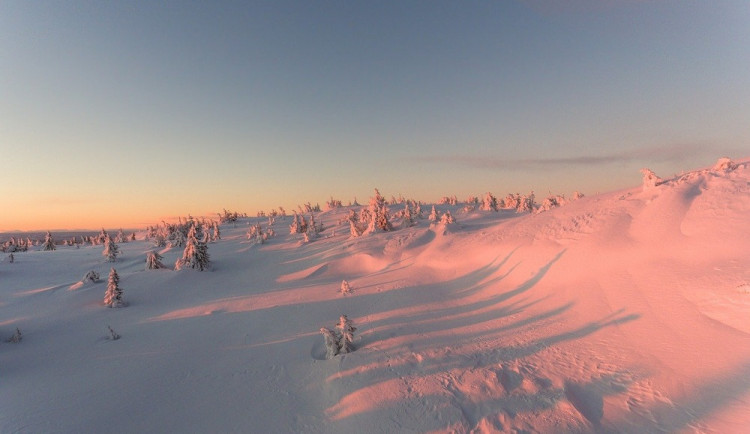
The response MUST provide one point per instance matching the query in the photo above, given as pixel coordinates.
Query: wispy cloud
(649, 155)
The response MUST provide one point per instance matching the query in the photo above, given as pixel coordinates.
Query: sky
(120, 114)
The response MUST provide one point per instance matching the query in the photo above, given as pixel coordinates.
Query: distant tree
(345, 288)
(121, 238)
(153, 260)
(49, 243)
(101, 237)
(110, 249)
(11, 259)
(346, 334)
(113, 296)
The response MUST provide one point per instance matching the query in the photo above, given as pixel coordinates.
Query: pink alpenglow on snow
(618, 312)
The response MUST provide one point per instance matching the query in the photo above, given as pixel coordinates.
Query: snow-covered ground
(622, 312)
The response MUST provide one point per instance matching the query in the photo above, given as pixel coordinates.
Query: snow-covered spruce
(49, 243)
(331, 342)
(113, 296)
(153, 260)
(110, 249)
(489, 203)
(433, 217)
(346, 334)
(345, 288)
(195, 255)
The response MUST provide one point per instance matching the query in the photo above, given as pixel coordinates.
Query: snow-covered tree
(724, 164)
(346, 334)
(91, 276)
(195, 254)
(331, 341)
(16, 338)
(11, 258)
(113, 296)
(447, 219)
(153, 260)
(526, 203)
(217, 232)
(650, 180)
(110, 249)
(101, 237)
(408, 217)
(345, 288)
(120, 237)
(489, 203)
(49, 243)
(433, 217)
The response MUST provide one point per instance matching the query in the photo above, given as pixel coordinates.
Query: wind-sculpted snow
(621, 312)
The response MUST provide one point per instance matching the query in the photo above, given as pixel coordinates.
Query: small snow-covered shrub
(91, 276)
(113, 336)
(16, 338)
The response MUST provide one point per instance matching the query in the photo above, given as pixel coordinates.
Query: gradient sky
(125, 112)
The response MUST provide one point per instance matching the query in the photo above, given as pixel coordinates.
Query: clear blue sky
(121, 113)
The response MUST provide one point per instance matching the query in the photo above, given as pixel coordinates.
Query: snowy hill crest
(621, 312)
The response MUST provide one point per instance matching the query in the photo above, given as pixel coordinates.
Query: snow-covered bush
(333, 203)
(113, 296)
(153, 260)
